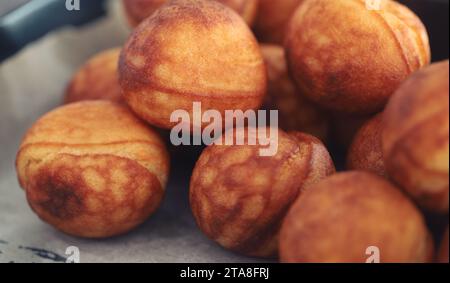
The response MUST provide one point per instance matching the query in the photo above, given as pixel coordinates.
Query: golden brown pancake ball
(191, 51)
(351, 59)
(415, 137)
(239, 197)
(138, 10)
(321, 163)
(443, 250)
(92, 169)
(296, 113)
(339, 218)
(97, 79)
(273, 18)
(366, 152)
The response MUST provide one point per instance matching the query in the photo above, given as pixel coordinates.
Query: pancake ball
(186, 52)
(340, 75)
(415, 137)
(92, 169)
(97, 79)
(296, 113)
(321, 162)
(239, 197)
(366, 152)
(138, 10)
(443, 250)
(339, 218)
(273, 18)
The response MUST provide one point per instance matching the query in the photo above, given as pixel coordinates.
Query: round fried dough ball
(138, 10)
(366, 152)
(351, 59)
(342, 217)
(321, 163)
(239, 197)
(97, 79)
(273, 18)
(296, 113)
(415, 137)
(191, 51)
(92, 169)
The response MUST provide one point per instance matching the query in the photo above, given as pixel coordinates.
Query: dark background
(435, 15)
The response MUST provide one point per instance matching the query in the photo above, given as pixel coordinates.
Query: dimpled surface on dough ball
(338, 219)
(97, 79)
(351, 59)
(415, 137)
(92, 169)
(191, 51)
(239, 197)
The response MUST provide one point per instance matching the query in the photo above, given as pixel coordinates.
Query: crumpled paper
(31, 84)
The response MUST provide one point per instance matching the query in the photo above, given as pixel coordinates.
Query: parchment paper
(31, 84)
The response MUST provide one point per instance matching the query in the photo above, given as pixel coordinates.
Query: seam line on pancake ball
(399, 44)
(405, 136)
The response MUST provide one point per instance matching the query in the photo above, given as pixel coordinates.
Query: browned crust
(337, 219)
(160, 74)
(83, 177)
(366, 152)
(107, 123)
(321, 164)
(239, 198)
(137, 11)
(416, 137)
(100, 127)
(96, 79)
(144, 102)
(32, 154)
(339, 75)
(60, 195)
(257, 232)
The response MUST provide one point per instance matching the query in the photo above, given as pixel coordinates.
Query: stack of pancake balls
(340, 74)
